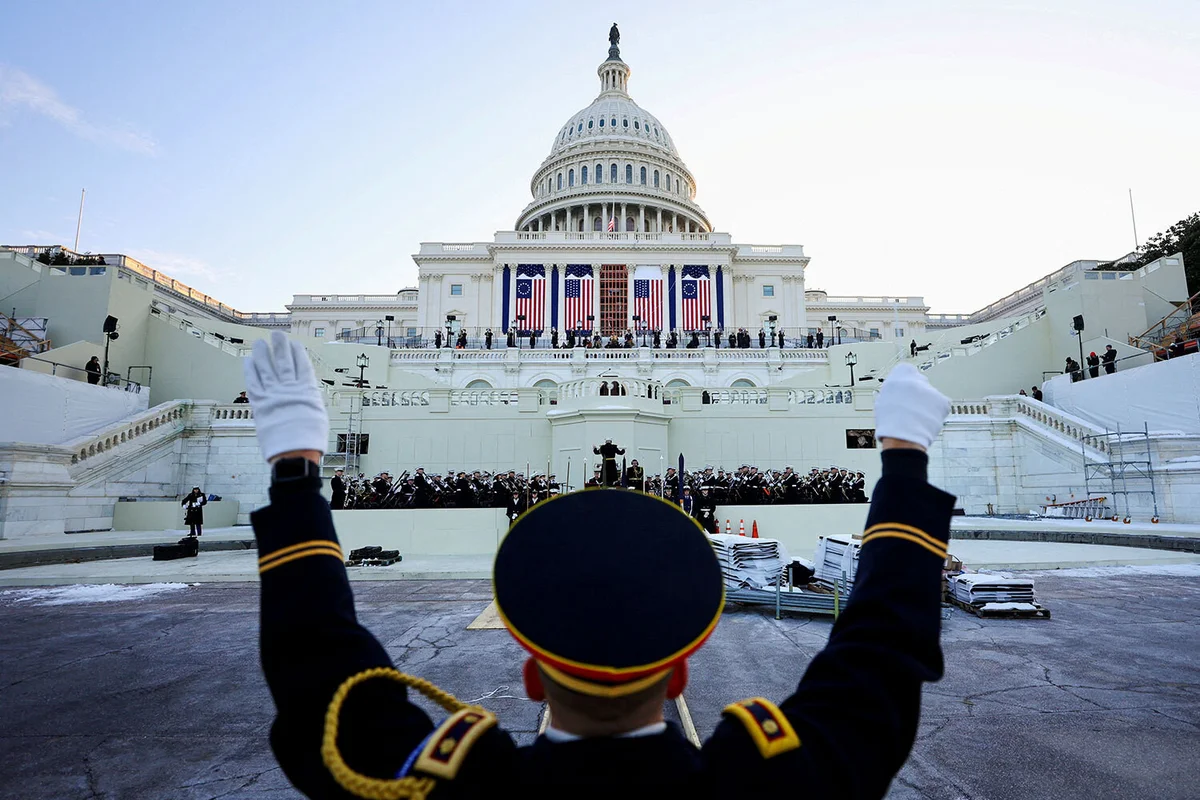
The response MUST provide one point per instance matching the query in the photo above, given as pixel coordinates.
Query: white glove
(288, 411)
(909, 408)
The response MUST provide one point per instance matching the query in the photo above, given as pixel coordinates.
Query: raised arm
(854, 714)
(310, 637)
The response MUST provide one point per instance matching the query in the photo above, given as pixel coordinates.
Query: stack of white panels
(836, 557)
(745, 562)
(979, 590)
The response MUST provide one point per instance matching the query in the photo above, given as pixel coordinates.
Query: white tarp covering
(44, 409)
(1166, 395)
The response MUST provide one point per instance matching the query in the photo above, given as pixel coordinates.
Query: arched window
(742, 383)
(602, 122)
(625, 122)
(581, 126)
(570, 177)
(599, 173)
(635, 125)
(629, 173)
(655, 179)
(545, 383)
(612, 173)
(596, 223)
(676, 383)
(629, 224)
(583, 176)
(614, 122)
(590, 123)
(478, 384)
(643, 176)
(668, 181)
(560, 181)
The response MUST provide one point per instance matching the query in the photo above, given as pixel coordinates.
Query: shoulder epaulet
(449, 744)
(771, 731)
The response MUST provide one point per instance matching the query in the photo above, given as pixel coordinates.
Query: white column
(621, 224)
(587, 221)
(641, 217)
(658, 229)
(596, 298)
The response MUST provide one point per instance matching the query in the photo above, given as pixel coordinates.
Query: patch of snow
(88, 593)
(1179, 570)
(1009, 607)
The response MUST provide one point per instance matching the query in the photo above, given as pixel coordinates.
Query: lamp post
(520, 318)
(851, 360)
(111, 335)
(379, 333)
(637, 326)
(389, 319)
(772, 321)
(362, 361)
(840, 331)
(450, 330)
(707, 331)
(591, 324)
(832, 319)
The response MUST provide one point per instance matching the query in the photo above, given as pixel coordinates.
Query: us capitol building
(612, 252)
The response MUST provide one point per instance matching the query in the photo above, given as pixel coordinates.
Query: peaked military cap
(599, 618)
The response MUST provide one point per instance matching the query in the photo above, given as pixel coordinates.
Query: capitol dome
(613, 163)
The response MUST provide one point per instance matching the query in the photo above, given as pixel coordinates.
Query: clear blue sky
(256, 150)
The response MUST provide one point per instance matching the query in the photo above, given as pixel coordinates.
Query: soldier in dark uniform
(345, 726)
(382, 485)
(464, 495)
(609, 451)
(516, 507)
(337, 485)
(437, 339)
(781, 344)
(704, 511)
(635, 476)
(425, 489)
(487, 339)
(687, 504)
(595, 480)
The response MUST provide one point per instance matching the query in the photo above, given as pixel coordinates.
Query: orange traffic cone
(754, 530)
(728, 528)
(741, 527)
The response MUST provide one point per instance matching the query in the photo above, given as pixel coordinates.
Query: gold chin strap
(407, 788)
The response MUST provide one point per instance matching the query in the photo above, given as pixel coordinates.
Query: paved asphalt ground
(161, 697)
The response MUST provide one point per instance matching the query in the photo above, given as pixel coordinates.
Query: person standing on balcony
(781, 340)
(1093, 362)
(487, 339)
(437, 339)
(912, 348)
(1110, 360)
(93, 370)
(762, 339)
(241, 398)
(810, 341)
(820, 340)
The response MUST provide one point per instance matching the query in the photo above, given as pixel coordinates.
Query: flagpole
(83, 193)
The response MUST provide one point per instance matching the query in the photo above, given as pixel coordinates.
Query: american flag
(695, 301)
(579, 303)
(531, 302)
(612, 224)
(647, 302)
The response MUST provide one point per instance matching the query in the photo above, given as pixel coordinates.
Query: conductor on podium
(345, 723)
(609, 452)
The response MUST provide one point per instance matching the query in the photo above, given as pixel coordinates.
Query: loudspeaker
(110, 324)
(1078, 322)
(772, 318)
(451, 318)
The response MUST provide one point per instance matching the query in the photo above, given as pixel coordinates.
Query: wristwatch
(290, 470)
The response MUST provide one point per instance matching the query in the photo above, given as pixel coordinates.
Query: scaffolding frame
(348, 459)
(1123, 471)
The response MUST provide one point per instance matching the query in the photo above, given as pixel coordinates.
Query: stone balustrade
(83, 448)
(233, 411)
(602, 387)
